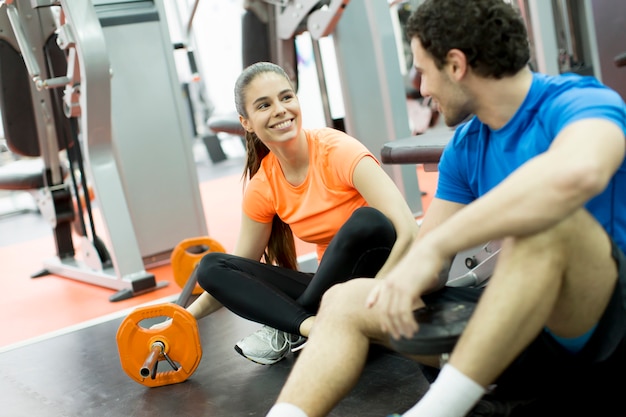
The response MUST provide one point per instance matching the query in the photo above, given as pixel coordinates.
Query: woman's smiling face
(273, 108)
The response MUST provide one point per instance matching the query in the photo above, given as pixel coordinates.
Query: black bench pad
(421, 149)
(226, 123)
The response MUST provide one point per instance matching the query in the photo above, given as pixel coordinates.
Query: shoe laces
(275, 336)
(298, 344)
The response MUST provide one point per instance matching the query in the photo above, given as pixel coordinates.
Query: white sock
(451, 395)
(285, 410)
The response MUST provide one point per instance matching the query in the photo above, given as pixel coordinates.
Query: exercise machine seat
(421, 149)
(22, 175)
(226, 123)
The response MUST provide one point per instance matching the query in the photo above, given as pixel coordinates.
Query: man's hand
(399, 293)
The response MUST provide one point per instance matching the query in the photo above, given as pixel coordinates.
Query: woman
(323, 185)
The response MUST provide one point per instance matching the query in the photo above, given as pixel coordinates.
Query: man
(541, 167)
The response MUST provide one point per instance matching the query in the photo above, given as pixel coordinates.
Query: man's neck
(498, 100)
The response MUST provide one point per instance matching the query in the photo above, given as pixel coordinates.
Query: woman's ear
(246, 124)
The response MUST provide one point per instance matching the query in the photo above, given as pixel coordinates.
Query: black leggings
(283, 298)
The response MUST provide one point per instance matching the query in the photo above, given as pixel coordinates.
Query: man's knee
(343, 306)
(335, 296)
(345, 298)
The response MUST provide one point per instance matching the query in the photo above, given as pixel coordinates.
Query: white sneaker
(268, 345)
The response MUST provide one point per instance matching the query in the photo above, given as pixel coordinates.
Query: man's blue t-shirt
(478, 158)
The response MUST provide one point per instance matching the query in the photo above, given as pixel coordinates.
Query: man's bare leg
(562, 278)
(330, 365)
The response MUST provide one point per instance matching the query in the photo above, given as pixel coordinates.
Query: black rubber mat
(79, 375)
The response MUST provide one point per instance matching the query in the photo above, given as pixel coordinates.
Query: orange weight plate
(180, 338)
(186, 256)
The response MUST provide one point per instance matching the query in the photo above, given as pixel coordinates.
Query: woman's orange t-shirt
(317, 208)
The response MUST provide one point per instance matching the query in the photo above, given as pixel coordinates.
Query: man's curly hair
(491, 33)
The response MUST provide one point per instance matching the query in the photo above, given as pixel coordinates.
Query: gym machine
(130, 124)
(151, 127)
(581, 36)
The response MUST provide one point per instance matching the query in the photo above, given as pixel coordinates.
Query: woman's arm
(381, 193)
(253, 238)
(252, 241)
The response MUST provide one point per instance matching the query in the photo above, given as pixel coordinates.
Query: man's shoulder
(565, 79)
(548, 87)
(572, 97)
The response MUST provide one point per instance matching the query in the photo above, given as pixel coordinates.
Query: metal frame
(373, 88)
(82, 37)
